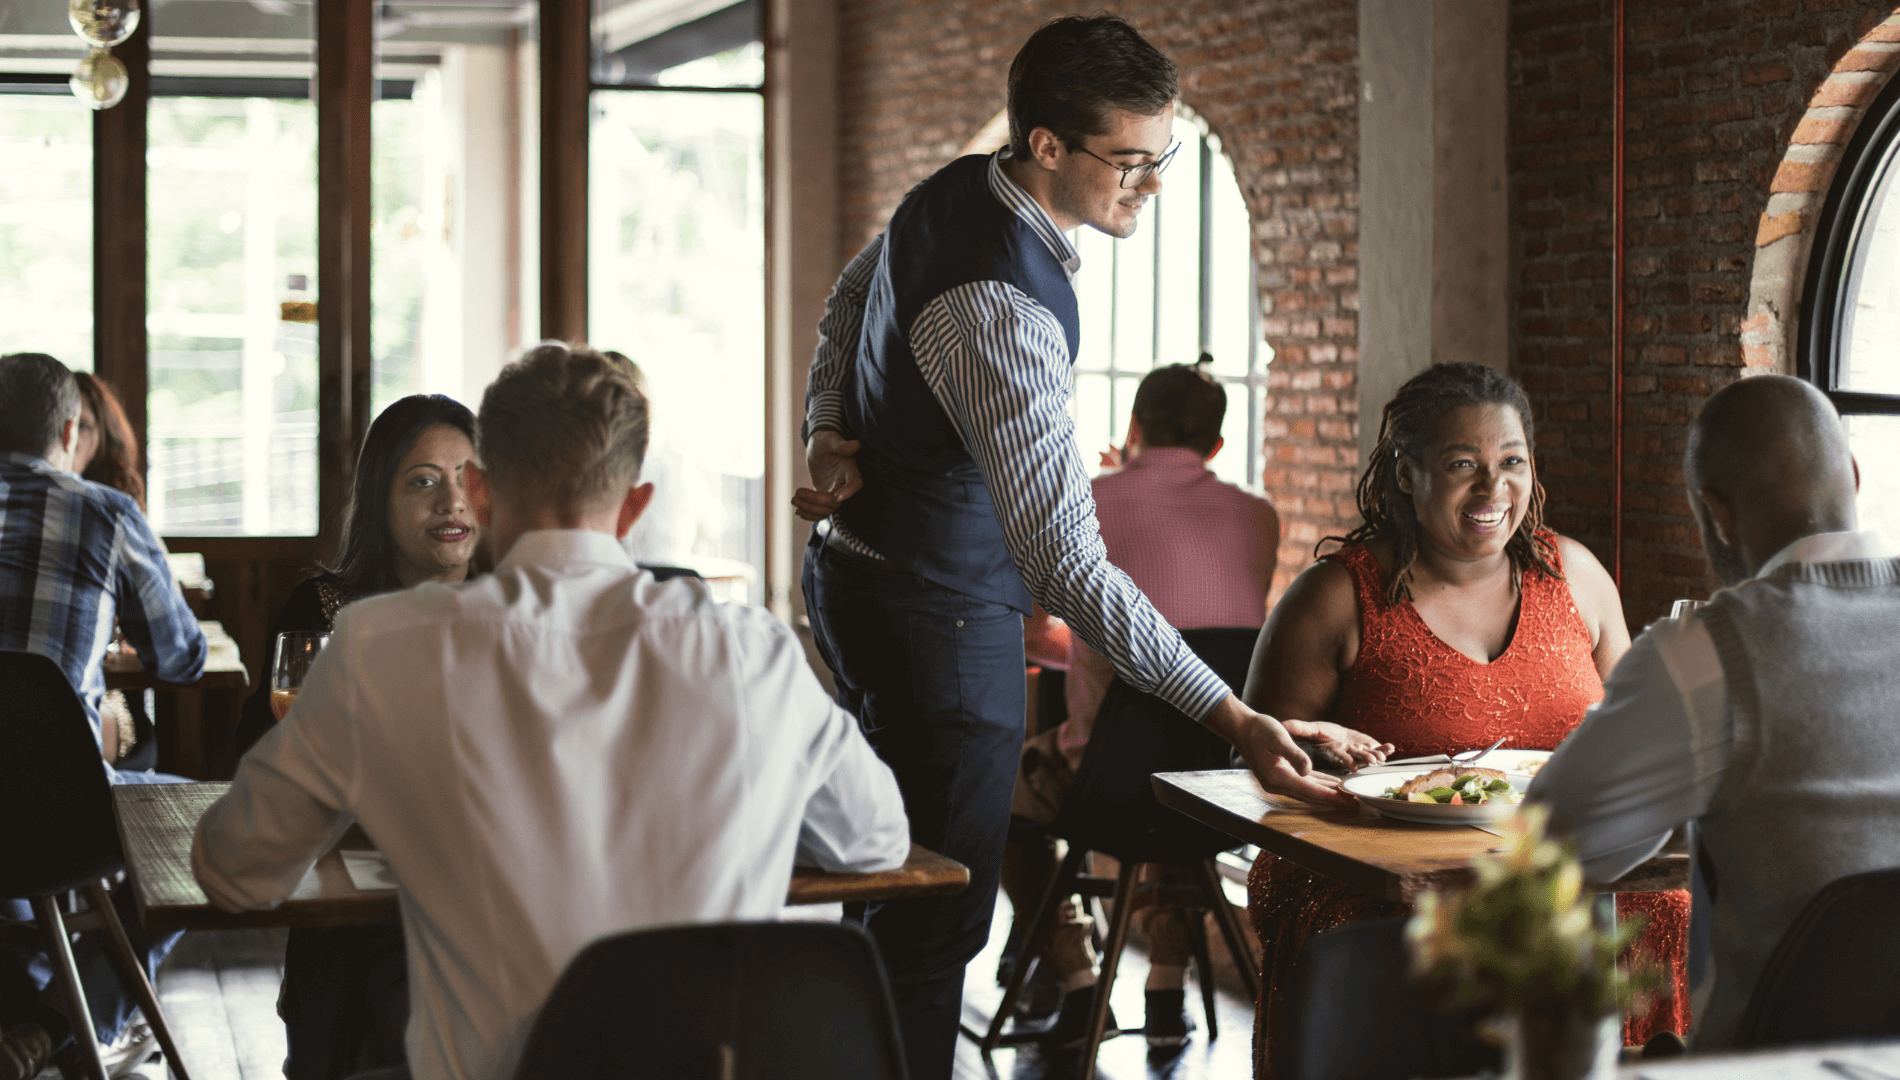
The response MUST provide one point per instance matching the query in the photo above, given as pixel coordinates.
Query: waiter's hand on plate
(1340, 747)
(1267, 746)
(834, 475)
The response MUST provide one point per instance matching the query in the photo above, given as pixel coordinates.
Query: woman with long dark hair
(345, 998)
(107, 452)
(1450, 618)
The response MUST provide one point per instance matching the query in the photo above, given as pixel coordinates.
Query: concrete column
(801, 146)
(1433, 207)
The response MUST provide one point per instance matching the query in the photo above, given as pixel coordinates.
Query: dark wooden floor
(220, 992)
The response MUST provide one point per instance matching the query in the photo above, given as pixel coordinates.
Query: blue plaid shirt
(75, 555)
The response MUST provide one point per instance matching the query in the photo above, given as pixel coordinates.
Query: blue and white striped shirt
(998, 364)
(75, 556)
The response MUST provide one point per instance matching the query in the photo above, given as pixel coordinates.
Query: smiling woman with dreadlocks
(1451, 618)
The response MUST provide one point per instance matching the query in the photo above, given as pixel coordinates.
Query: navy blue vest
(924, 505)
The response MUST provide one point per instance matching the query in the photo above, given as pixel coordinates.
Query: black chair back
(1353, 1014)
(1831, 977)
(736, 1001)
(1112, 808)
(54, 796)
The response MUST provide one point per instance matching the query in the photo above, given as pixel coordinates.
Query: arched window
(1849, 344)
(1183, 285)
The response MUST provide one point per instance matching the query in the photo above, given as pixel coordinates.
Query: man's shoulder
(1132, 488)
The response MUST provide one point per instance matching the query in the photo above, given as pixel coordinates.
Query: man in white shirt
(1765, 717)
(561, 750)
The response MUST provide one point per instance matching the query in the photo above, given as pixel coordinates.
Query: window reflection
(676, 277)
(232, 398)
(46, 227)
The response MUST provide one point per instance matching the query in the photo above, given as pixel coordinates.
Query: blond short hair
(564, 425)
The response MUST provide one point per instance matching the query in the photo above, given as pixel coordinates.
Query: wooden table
(224, 668)
(156, 822)
(1394, 860)
(183, 709)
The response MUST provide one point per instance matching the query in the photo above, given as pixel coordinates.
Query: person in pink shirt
(1204, 551)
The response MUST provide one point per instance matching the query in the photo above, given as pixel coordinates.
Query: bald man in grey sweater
(1767, 716)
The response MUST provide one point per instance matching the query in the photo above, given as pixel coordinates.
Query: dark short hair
(37, 396)
(366, 561)
(1073, 71)
(563, 425)
(1180, 405)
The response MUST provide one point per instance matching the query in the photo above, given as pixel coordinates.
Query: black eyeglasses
(1136, 175)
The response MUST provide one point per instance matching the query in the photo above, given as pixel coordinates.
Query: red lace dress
(1411, 689)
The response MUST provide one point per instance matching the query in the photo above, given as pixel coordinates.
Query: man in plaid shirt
(76, 558)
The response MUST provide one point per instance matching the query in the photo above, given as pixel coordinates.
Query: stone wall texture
(1274, 79)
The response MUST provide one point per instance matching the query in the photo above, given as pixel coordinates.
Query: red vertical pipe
(1616, 325)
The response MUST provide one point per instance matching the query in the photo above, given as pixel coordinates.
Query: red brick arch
(1785, 238)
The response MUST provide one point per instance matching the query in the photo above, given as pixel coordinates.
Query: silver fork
(1476, 755)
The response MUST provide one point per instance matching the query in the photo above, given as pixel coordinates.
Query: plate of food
(1444, 794)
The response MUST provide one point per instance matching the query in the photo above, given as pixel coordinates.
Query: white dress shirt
(558, 751)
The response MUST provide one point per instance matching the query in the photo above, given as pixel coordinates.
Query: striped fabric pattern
(75, 556)
(998, 364)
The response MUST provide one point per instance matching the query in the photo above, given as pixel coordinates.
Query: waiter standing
(942, 450)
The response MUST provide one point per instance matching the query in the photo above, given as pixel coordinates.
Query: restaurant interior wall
(1274, 80)
(1715, 92)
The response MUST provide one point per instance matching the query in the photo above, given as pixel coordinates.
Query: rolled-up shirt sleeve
(288, 803)
(998, 363)
(1629, 774)
(838, 334)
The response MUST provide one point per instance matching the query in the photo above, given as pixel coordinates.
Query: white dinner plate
(1371, 788)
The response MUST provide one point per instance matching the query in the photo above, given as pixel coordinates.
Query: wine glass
(296, 651)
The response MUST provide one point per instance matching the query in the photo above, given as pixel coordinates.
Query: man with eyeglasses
(943, 454)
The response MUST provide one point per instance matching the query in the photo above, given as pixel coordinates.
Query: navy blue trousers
(935, 679)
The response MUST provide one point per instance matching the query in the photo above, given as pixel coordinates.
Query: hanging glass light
(103, 23)
(101, 80)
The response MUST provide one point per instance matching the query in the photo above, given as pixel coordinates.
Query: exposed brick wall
(1715, 90)
(1275, 79)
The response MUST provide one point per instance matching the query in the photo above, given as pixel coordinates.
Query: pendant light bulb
(100, 81)
(103, 23)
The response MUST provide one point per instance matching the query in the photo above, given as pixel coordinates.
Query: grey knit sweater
(1811, 655)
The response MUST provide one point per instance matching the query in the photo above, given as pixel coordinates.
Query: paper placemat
(369, 870)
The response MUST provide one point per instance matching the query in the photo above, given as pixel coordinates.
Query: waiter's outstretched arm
(998, 363)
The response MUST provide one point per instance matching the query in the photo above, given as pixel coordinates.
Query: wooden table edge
(1660, 873)
(924, 873)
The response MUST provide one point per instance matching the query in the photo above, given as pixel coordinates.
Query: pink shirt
(1202, 549)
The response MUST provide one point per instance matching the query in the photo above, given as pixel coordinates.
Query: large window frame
(1870, 163)
(1251, 382)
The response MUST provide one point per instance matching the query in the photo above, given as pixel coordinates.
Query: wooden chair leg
(1111, 959)
(1196, 928)
(132, 973)
(1230, 930)
(1059, 886)
(60, 950)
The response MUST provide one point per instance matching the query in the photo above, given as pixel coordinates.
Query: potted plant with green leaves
(1524, 942)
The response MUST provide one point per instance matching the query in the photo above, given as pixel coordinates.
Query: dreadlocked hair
(1403, 428)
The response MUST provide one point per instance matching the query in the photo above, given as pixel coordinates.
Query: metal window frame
(1870, 159)
(1254, 381)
